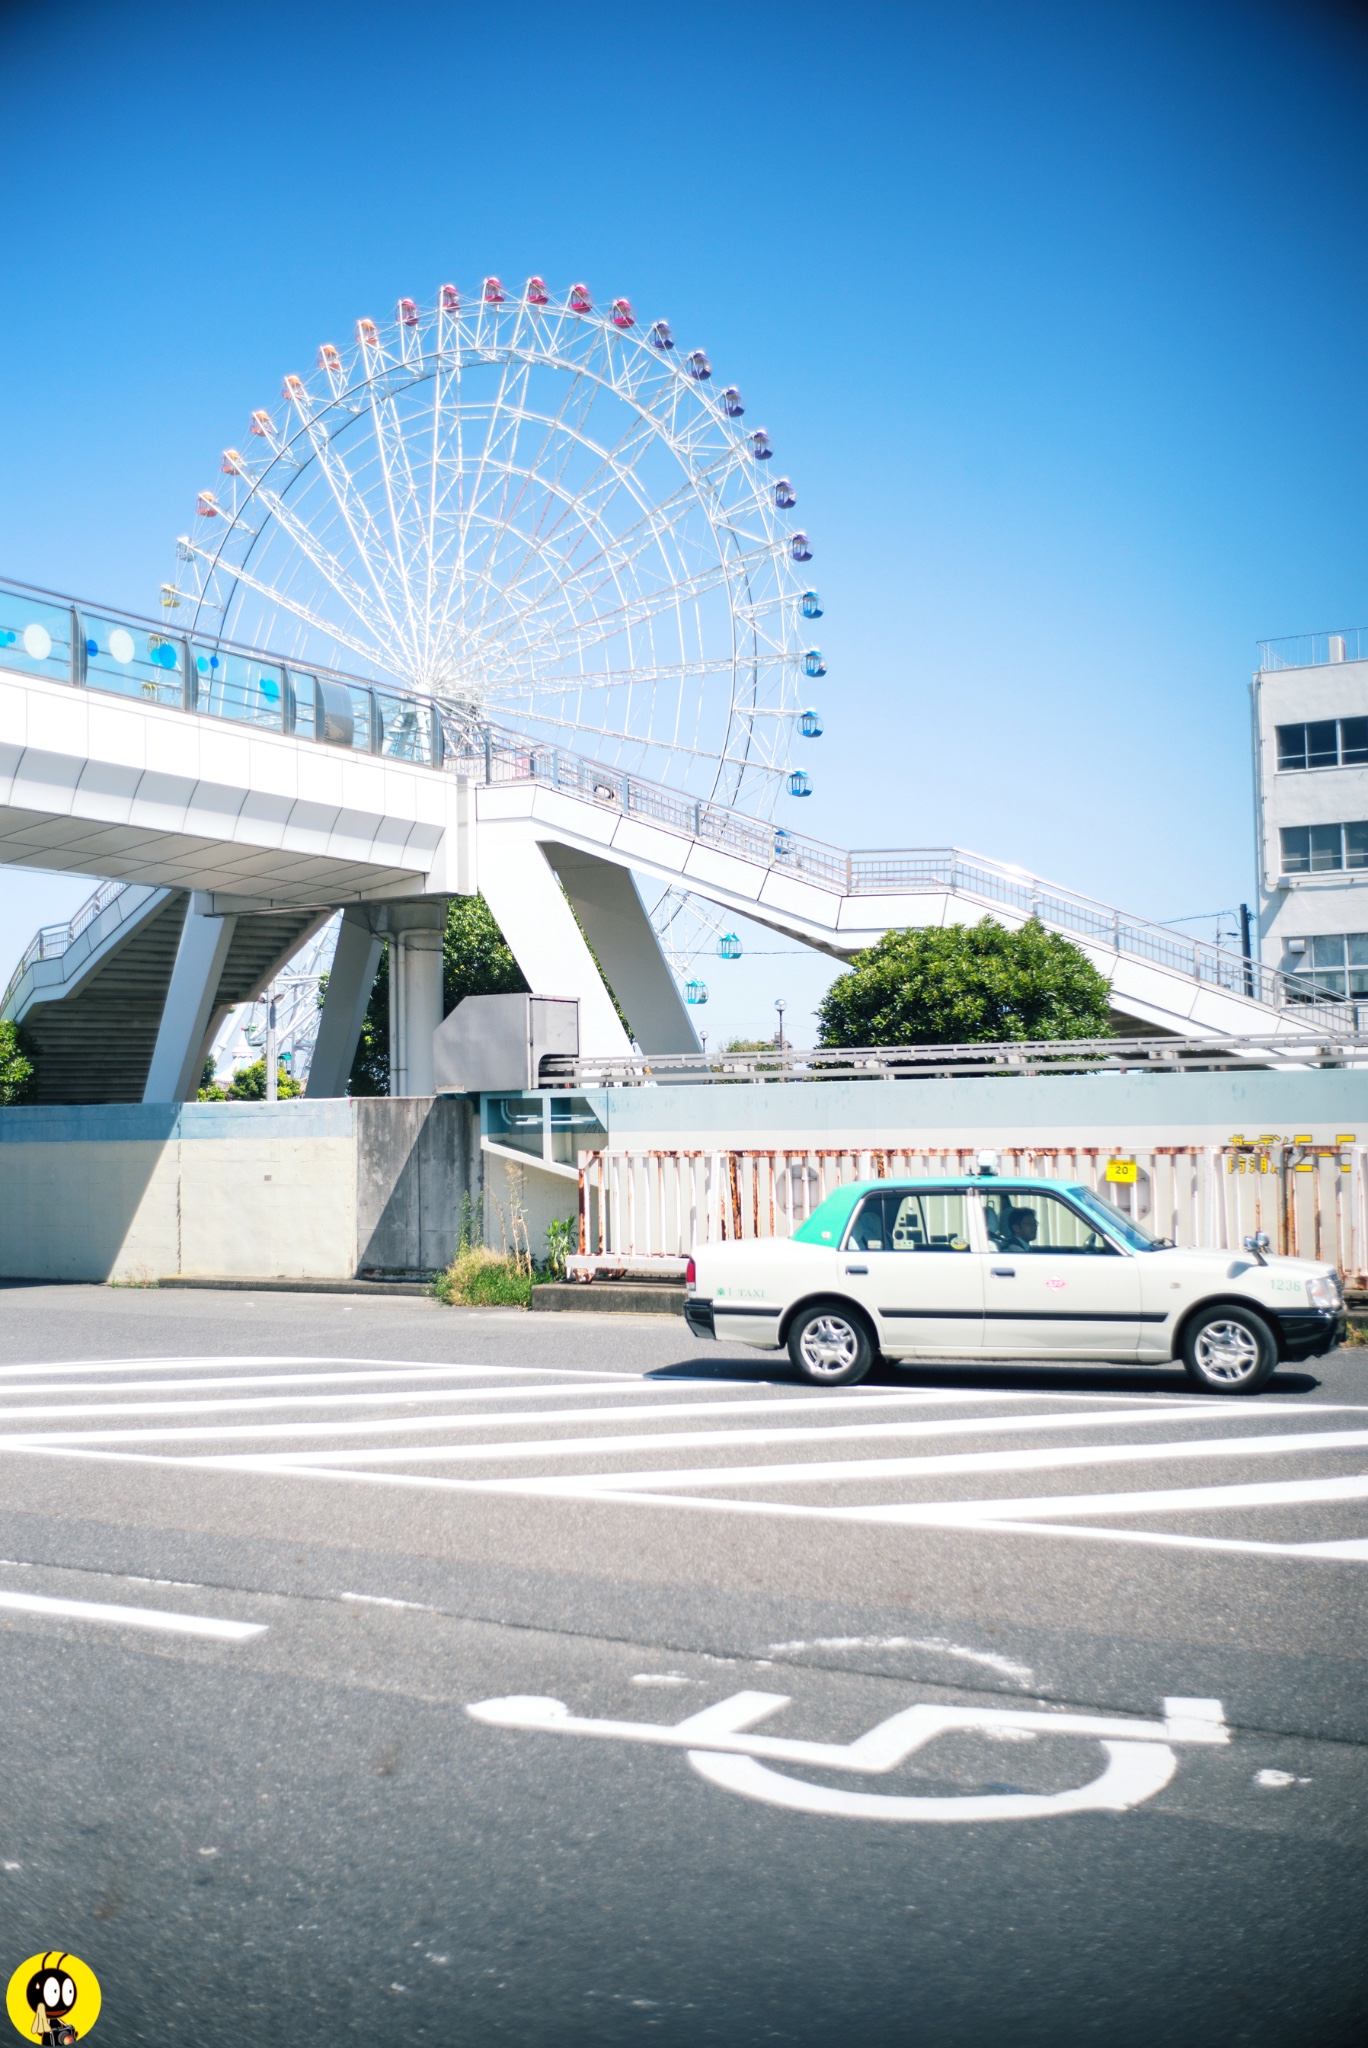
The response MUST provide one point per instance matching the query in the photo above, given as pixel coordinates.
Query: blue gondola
(812, 608)
(813, 663)
(810, 726)
(695, 991)
(785, 497)
(731, 398)
(799, 549)
(660, 335)
(729, 947)
(698, 366)
(798, 784)
(760, 445)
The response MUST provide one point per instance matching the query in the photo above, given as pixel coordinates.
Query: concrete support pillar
(539, 925)
(610, 908)
(350, 981)
(187, 1016)
(415, 1000)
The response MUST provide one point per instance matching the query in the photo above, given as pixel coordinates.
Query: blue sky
(1056, 315)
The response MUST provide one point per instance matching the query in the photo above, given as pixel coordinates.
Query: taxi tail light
(691, 1274)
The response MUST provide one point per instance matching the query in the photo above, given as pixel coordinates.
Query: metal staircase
(89, 995)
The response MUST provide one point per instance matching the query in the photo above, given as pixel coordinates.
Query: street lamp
(780, 1005)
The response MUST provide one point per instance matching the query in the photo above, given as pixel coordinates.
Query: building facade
(1310, 731)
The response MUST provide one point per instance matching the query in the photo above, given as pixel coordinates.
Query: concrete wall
(416, 1158)
(290, 1190)
(1127, 1109)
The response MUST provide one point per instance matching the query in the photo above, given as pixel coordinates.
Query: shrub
(480, 1278)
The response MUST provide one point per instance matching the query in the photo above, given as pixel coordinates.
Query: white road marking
(812, 1472)
(660, 1416)
(721, 1748)
(1006, 1667)
(158, 1618)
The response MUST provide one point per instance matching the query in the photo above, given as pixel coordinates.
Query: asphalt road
(262, 1556)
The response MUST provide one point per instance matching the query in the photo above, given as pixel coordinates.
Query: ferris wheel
(549, 516)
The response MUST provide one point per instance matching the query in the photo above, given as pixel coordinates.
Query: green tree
(17, 1071)
(249, 1084)
(961, 984)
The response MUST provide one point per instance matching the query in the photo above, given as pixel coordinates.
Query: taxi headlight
(1325, 1291)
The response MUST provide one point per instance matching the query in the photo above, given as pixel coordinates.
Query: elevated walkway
(240, 801)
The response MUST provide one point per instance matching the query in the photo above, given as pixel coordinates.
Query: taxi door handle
(1004, 1272)
(857, 1269)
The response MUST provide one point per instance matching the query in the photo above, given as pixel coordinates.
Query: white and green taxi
(1004, 1268)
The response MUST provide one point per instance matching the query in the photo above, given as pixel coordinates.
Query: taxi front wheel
(1229, 1350)
(829, 1345)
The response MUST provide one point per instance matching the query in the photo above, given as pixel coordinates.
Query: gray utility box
(496, 1042)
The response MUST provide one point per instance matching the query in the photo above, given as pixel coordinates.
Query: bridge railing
(98, 648)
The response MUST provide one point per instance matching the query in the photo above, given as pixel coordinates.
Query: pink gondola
(494, 294)
(536, 293)
(450, 299)
(408, 313)
(580, 301)
(207, 505)
(623, 316)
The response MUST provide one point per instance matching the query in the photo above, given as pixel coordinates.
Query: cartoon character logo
(53, 1997)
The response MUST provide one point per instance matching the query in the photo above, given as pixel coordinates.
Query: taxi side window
(898, 1222)
(1021, 1222)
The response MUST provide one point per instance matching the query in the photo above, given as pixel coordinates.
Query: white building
(1310, 715)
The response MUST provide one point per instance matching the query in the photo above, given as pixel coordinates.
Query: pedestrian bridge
(230, 802)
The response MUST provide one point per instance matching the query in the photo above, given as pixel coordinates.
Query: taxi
(990, 1267)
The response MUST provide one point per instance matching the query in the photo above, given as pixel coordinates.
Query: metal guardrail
(51, 941)
(947, 1062)
(1312, 650)
(102, 648)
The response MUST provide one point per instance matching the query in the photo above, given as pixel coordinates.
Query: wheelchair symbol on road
(718, 1743)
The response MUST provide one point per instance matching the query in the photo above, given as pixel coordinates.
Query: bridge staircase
(90, 994)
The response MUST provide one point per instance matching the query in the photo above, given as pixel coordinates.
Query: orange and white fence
(646, 1211)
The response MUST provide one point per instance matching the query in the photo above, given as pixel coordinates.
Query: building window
(1324, 743)
(1318, 849)
(1336, 962)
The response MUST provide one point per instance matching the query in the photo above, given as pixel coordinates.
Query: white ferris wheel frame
(413, 600)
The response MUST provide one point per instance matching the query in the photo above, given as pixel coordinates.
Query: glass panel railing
(303, 702)
(362, 716)
(35, 637)
(132, 661)
(240, 687)
(405, 727)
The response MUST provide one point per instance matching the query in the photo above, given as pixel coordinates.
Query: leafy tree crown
(966, 984)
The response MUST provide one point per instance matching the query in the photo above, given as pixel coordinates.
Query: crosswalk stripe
(825, 1470)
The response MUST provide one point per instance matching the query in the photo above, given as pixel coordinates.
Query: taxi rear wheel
(1229, 1350)
(830, 1345)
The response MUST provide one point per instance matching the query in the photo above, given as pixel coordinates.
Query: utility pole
(272, 1065)
(780, 1005)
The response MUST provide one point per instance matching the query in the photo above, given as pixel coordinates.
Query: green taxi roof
(828, 1220)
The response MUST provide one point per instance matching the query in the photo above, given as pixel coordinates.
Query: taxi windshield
(1120, 1226)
